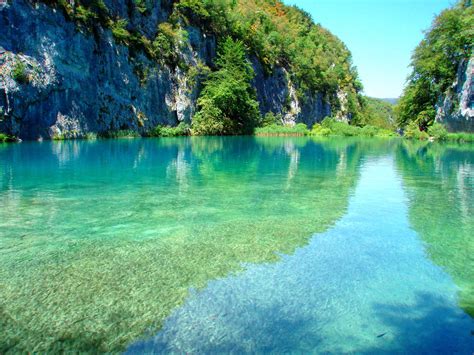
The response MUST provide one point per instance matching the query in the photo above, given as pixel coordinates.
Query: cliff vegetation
(438, 64)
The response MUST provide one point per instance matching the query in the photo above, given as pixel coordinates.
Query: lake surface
(237, 244)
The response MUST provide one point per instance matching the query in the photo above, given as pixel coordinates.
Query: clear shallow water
(365, 285)
(286, 244)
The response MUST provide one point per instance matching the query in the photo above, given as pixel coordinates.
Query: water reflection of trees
(439, 180)
(105, 238)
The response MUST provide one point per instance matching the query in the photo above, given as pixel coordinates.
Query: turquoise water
(237, 245)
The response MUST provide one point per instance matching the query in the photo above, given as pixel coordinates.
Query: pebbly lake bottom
(286, 245)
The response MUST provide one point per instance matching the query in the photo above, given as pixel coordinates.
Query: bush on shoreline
(299, 129)
(436, 132)
(332, 127)
(4, 138)
(328, 127)
(182, 129)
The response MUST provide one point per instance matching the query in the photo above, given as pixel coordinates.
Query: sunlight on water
(285, 243)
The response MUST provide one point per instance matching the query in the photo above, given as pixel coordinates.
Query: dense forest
(447, 45)
(266, 63)
(277, 35)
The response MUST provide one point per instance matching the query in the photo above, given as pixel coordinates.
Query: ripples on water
(285, 243)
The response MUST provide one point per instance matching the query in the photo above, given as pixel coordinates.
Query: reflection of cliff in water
(110, 235)
(439, 180)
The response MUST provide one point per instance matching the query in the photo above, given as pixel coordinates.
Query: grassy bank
(436, 132)
(283, 130)
(328, 127)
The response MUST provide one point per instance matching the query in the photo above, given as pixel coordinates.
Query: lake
(237, 244)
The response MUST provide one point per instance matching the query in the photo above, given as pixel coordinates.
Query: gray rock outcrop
(75, 82)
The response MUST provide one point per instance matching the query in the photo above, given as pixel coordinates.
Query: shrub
(168, 39)
(369, 131)
(19, 73)
(340, 128)
(119, 30)
(209, 120)
(84, 15)
(90, 136)
(123, 133)
(166, 131)
(412, 131)
(270, 119)
(461, 137)
(141, 6)
(423, 136)
(193, 10)
(6, 138)
(437, 131)
(197, 73)
(283, 130)
(319, 130)
(330, 126)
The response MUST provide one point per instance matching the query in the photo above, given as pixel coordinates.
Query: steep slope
(441, 85)
(74, 67)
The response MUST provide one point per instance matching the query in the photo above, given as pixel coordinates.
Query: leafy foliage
(435, 61)
(461, 137)
(122, 133)
(182, 129)
(299, 129)
(438, 132)
(169, 39)
(4, 138)
(141, 6)
(19, 73)
(331, 127)
(119, 30)
(413, 131)
(227, 104)
(376, 112)
(271, 119)
(276, 34)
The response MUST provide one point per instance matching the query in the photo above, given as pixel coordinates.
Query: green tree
(227, 104)
(435, 62)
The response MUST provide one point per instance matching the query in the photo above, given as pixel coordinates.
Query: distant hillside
(377, 112)
(392, 101)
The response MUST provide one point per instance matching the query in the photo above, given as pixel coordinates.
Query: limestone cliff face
(78, 82)
(456, 109)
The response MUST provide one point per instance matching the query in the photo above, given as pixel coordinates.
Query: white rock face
(456, 110)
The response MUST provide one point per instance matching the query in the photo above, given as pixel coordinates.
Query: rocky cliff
(440, 85)
(60, 79)
(456, 108)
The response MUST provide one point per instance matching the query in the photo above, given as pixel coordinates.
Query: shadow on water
(427, 326)
(365, 285)
(276, 330)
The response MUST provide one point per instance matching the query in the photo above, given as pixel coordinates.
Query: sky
(381, 34)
